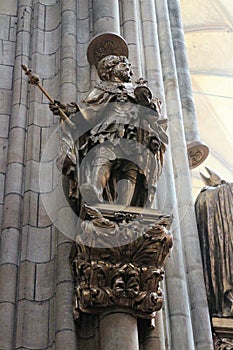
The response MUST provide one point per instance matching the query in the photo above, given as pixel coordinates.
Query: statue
(112, 148)
(214, 214)
(124, 139)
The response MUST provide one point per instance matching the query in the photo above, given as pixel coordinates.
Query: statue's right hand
(55, 106)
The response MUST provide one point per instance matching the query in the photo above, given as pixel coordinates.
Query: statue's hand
(54, 107)
(68, 109)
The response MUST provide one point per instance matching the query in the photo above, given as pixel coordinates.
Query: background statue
(119, 136)
(214, 214)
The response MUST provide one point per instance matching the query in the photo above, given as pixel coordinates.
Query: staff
(34, 80)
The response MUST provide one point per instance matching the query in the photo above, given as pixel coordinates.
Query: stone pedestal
(118, 264)
(223, 333)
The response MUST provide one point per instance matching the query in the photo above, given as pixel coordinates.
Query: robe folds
(214, 214)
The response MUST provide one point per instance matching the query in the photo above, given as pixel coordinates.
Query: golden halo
(106, 44)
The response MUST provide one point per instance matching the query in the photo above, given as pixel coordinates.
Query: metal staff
(35, 80)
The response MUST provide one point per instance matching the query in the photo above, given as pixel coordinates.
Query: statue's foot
(89, 194)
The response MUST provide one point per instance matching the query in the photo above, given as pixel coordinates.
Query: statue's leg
(101, 164)
(126, 184)
(100, 175)
(125, 191)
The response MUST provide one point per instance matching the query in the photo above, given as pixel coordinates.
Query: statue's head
(115, 69)
(214, 179)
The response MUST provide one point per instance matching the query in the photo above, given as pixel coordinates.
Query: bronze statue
(119, 136)
(112, 148)
(214, 214)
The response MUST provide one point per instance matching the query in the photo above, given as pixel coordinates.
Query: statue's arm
(68, 108)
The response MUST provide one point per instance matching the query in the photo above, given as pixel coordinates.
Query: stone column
(66, 336)
(106, 16)
(197, 298)
(14, 188)
(196, 149)
(155, 338)
(151, 48)
(68, 50)
(36, 292)
(118, 330)
(84, 29)
(131, 33)
(177, 296)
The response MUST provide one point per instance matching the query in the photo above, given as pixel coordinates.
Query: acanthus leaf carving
(126, 275)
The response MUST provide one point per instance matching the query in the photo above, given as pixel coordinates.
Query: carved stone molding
(223, 344)
(121, 275)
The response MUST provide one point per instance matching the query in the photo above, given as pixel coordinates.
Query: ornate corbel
(125, 264)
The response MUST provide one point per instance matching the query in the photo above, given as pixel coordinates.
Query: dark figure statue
(123, 141)
(214, 214)
(113, 158)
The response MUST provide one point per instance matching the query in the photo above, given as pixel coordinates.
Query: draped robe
(214, 214)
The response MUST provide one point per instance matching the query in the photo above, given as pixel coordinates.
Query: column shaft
(155, 339)
(177, 295)
(195, 146)
(36, 293)
(184, 80)
(118, 330)
(83, 38)
(68, 50)
(106, 16)
(12, 212)
(151, 47)
(131, 33)
(199, 309)
(66, 337)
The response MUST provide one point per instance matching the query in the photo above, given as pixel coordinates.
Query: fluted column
(106, 16)
(193, 141)
(178, 310)
(84, 28)
(65, 325)
(151, 47)
(12, 212)
(36, 293)
(131, 33)
(177, 296)
(190, 242)
(68, 50)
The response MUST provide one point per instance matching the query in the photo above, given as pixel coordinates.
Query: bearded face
(122, 72)
(115, 69)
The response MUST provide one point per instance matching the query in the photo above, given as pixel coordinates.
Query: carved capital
(223, 344)
(122, 275)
